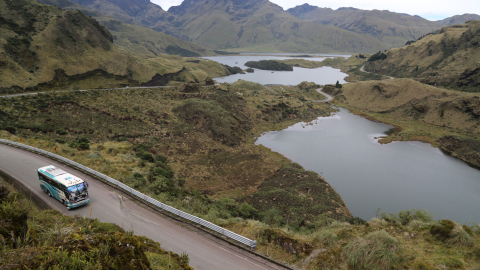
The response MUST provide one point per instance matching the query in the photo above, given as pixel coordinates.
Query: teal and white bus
(67, 188)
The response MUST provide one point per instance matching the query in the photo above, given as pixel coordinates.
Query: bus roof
(60, 175)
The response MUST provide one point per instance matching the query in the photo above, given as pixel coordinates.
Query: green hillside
(134, 37)
(394, 29)
(448, 58)
(46, 48)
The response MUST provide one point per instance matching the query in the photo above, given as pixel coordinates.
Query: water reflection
(323, 75)
(367, 175)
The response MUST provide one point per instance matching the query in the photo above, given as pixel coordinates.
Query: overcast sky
(429, 9)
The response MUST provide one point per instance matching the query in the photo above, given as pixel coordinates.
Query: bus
(66, 188)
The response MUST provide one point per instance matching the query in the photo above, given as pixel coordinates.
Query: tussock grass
(377, 250)
(376, 222)
(326, 237)
(460, 237)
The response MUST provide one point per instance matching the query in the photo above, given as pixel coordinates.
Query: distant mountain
(253, 25)
(394, 29)
(134, 37)
(459, 19)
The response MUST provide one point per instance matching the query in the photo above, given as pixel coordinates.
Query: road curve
(362, 69)
(328, 97)
(109, 205)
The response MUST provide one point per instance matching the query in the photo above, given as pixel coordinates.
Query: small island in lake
(269, 65)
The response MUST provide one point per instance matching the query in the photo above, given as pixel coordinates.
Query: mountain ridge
(257, 25)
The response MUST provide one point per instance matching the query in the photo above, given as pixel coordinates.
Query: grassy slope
(425, 113)
(449, 57)
(213, 151)
(132, 36)
(42, 43)
(46, 239)
(391, 28)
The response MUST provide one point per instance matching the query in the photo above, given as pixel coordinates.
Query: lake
(322, 75)
(367, 175)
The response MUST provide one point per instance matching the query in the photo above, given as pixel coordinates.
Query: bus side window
(54, 184)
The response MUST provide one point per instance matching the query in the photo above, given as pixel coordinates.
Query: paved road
(36, 93)
(110, 206)
(362, 69)
(328, 97)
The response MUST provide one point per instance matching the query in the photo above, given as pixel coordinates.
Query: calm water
(367, 175)
(323, 75)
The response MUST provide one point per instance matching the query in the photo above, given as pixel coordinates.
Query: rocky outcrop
(161, 80)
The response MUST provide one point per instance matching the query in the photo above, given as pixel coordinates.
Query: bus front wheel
(49, 194)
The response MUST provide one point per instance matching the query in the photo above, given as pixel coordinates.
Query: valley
(168, 103)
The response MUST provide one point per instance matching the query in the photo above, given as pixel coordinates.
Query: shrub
(181, 182)
(140, 148)
(62, 141)
(12, 130)
(476, 252)
(250, 70)
(161, 158)
(136, 180)
(159, 171)
(338, 85)
(184, 259)
(248, 211)
(147, 157)
(443, 230)
(460, 237)
(405, 216)
(233, 70)
(159, 186)
(61, 132)
(81, 144)
(377, 250)
(377, 56)
(273, 217)
(356, 221)
(269, 65)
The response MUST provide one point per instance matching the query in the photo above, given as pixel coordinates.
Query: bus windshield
(76, 190)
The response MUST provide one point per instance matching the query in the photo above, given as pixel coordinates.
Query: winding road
(362, 69)
(110, 205)
(327, 96)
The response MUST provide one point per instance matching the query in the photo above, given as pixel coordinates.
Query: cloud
(424, 8)
(434, 9)
(166, 4)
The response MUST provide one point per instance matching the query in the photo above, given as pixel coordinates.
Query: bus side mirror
(87, 184)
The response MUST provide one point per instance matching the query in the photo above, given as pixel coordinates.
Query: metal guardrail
(248, 242)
